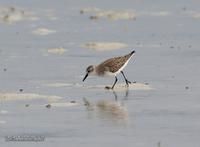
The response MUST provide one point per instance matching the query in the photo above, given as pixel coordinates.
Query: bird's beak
(85, 77)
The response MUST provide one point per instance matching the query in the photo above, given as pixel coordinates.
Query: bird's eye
(90, 69)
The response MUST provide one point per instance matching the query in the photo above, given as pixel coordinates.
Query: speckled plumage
(113, 64)
(110, 67)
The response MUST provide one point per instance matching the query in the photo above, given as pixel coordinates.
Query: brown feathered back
(113, 64)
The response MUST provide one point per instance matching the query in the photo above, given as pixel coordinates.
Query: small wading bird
(110, 67)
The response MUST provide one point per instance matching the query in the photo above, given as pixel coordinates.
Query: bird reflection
(125, 96)
(107, 110)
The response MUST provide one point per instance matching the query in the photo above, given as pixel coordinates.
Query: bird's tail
(129, 55)
(132, 52)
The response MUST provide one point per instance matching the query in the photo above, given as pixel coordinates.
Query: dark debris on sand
(48, 106)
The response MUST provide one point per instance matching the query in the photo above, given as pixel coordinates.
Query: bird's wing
(114, 64)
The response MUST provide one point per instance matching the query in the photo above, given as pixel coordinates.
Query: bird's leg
(107, 87)
(127, 81)
(115, 82)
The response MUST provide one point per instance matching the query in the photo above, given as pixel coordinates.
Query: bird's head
(89, 70)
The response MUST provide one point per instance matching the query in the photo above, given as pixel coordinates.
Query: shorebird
(110, 67)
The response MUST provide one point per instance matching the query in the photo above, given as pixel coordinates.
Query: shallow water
(41, 89)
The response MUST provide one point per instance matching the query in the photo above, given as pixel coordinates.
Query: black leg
(115, 82)
(127, 81)
(107, 87)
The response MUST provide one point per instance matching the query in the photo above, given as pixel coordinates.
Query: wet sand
(46, 46)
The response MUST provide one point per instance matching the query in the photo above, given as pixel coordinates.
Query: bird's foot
(127, 82)
(108, 87)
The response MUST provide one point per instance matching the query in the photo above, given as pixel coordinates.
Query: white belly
(116, 73)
